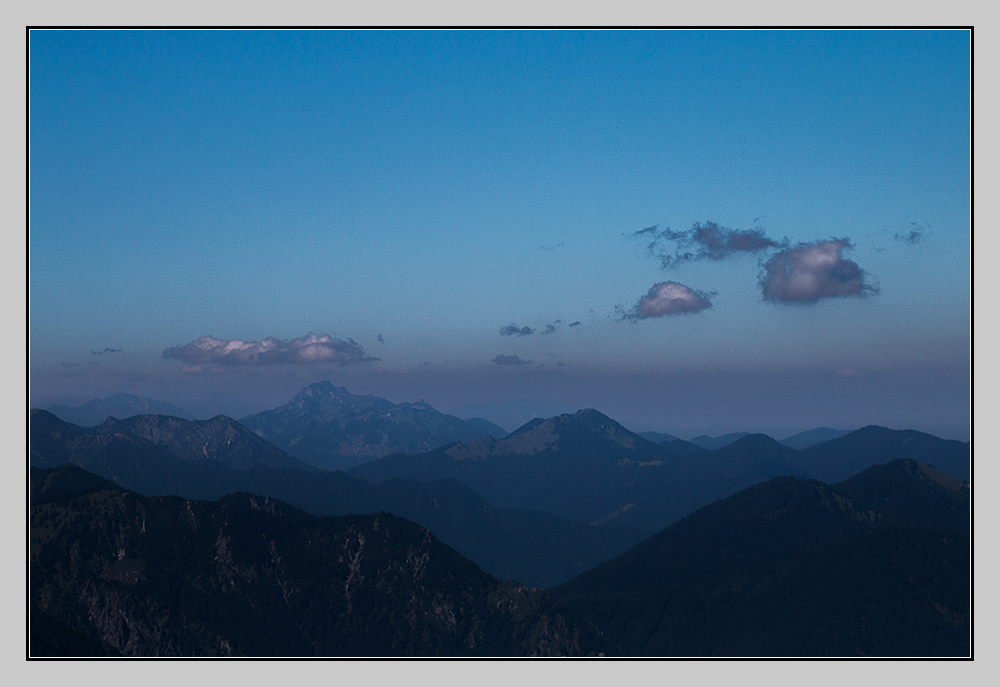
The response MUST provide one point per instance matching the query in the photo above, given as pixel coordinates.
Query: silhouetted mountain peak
(757, 443)
(712, 443)
(528, 426)
(587, 427)
(43, 418)
(329, 427)
(813, 436)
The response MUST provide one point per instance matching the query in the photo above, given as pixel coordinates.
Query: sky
(690, 231)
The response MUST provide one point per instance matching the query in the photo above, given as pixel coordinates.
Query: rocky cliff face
(252, 576)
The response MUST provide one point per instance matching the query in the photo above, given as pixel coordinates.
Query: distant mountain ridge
(813, 436)
(712, 443)
(837, 459)
(97, 410)
(221, 440)
(158, 440)
(582, 466)
(588, 468)
(327, 426)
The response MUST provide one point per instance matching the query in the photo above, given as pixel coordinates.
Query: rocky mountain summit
(331, 428)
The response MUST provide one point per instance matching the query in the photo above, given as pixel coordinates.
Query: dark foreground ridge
(875, 566)
(115, 572)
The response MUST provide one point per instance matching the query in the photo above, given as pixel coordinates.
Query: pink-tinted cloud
(304, 351)
(668, 298)
(812, 271)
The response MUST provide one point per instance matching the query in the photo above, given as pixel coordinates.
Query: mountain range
(536, 548)
(854, 545)
(326, 426)
(588, 468)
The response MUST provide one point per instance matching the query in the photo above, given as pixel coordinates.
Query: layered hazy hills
(582, 466)
(220, 441)
(712, 443)
(97, 410)
(838, 459)
(588, 468)
(328, 427)
(875, 566)
(167, 456)
(813, 436)
(251, 576)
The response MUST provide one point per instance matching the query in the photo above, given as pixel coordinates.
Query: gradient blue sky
(432, 188)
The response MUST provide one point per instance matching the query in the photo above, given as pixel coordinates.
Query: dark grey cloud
(305, 350)
(106, 350)
(707, 241)
(513, 330)
(552, 327)
(380, 339)
(912, 237)
(667, 298)
(812, 271)
(575, 324)
(509, 360)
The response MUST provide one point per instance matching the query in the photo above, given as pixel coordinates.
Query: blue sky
(406, 196)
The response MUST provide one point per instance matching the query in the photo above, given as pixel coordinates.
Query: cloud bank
(812, 271)
(270, 351)
(707, 241)
(509, 360)
(513, 330)
(668, 298)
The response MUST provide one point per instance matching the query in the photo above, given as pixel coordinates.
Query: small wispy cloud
(513, 330)
(667, 298)
(812, 271)
(106, 350)
(912, 237)
(380, 339)
(708, 241)
(305, 350)
(553, 247)
(509, 360)
(575, 324)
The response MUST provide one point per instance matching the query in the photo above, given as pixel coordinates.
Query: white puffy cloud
(668, 298)
(812, 271)
(270, 351)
